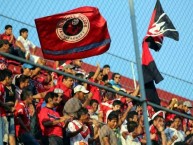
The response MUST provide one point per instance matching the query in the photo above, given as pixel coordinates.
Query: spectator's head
(108, 96)
(60, 94)
(27, 96)
(27, 69)
(68, 81)
(22, 81)
(132, 116)
(187, 106)
(177, 122)
(77, 62)
(51, 99)
(116, 77)
(83, 115)
(5, 76)
(94, 104)
(23, 32)
(79, 75)
(134, 128)
(112, 120)
(100, 76)
(117, 104)
(106, 69)
(4, 46)
(158, 119)
(68, 68)
(8, 29)
(80, 92)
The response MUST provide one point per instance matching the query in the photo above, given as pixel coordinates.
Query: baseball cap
(68, 66)
(188, 104)
(80, 88)
(26, 65)
(58, 91)
(159, 113)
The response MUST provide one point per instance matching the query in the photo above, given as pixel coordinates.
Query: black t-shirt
(10, 94)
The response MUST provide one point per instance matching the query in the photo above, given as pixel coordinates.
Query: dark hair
(131, 114)
(51, 95)
(81, 111)
(131, 125)
(21, 78)
(117, 102)
(109, 85)
(113, 115)
(106, 66)
(109, 95)
(22, 30)
(67, 77)
(90, 74)
(93, 101)
(5, 73)
(26, 93)
(114, 74)
(7, 27)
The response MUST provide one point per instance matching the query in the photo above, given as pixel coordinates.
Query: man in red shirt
(50, 121)
(22, 119)
(5, 76)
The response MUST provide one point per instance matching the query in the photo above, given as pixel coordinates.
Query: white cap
(80, 88)
(58, 91)
(188, 104)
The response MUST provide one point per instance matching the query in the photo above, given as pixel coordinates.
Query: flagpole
(133, 74)
(139, 68)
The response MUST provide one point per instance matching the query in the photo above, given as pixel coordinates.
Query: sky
(174, 59)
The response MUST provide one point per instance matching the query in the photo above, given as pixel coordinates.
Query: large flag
(160, 26)
(78, 33)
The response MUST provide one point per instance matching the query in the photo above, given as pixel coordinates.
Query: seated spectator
(106, 133)
(77, 130)
(4, 47)
(78, 66)
(106, 70)
(134, 130)
(22, 119)
(27, 44)
(16, 47)
(51, 122)
(115, 81)
(93, 109)
(174, 133)
(78, 101)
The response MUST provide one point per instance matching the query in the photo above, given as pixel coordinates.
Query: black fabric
(10, 94)
(55, 140)
(151, 93)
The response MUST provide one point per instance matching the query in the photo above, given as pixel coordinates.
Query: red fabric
(84, 133)
(104, 107)
(47, 114)
(95, 91)
(8, 37)
(75, 34)
(2, 99)
(153, 130)
(21, 111)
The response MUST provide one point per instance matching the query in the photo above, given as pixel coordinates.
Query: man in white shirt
(27, 44)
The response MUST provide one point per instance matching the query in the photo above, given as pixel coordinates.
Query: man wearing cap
(74, 104)
(157, 133)
(68, 68)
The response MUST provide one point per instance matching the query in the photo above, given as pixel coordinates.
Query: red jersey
(2, 99)
(95, 91)
(21, 110)
(153, 130)
(48, 114)
(104, 107)
(8, 37)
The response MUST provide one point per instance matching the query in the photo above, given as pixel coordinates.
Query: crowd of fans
(38, 107)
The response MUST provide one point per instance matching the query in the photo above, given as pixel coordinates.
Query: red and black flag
(160, 26)
(75, 34)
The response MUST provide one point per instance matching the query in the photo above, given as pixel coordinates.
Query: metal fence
(174, 59)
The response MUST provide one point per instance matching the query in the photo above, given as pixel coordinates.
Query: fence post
(139, 70)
